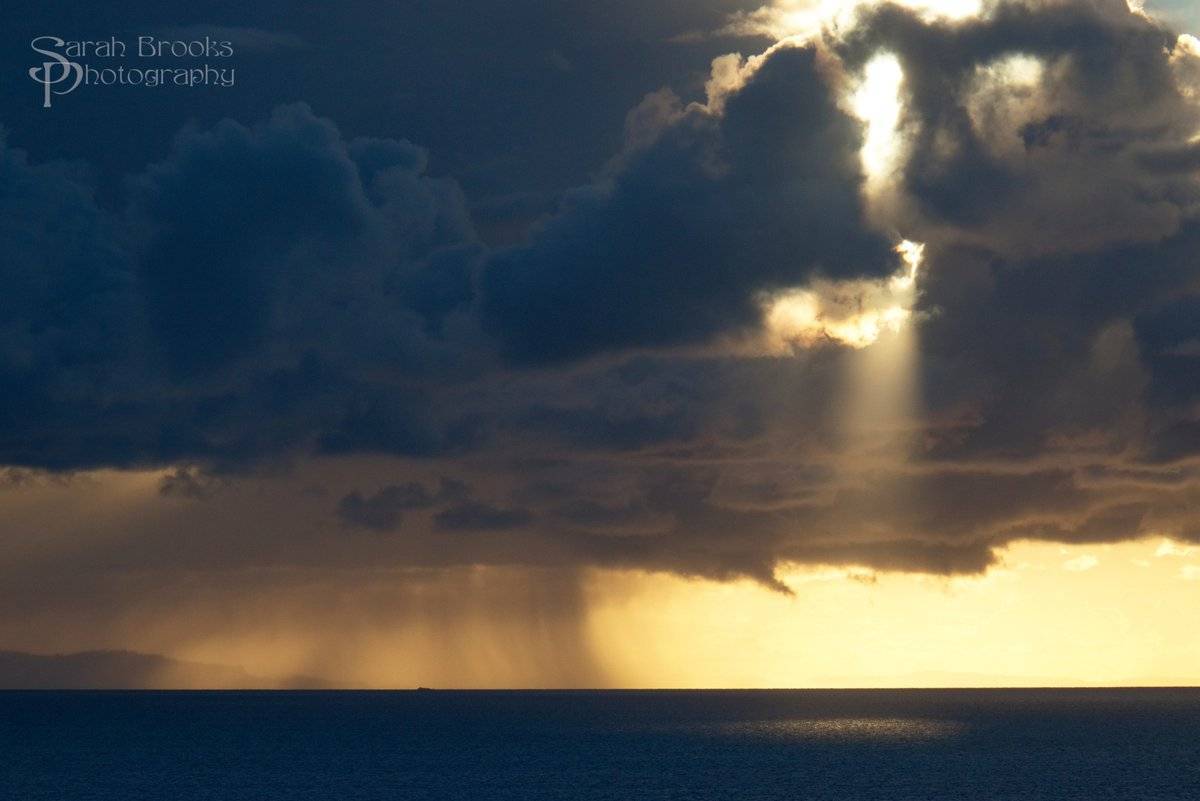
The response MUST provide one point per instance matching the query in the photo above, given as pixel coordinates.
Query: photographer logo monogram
(147, 61)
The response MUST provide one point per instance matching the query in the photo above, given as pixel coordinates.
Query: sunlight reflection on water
(847, 729)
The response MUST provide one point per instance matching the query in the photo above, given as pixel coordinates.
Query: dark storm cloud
(68, 303)
(1033, 350)
(1107, 524)
(1172, 160)
(1105, 118)
(266, 288)
(635, 518)
(677, 520)
(1169, 338)
(1056, 308)
(647, 403)
(273, 232)
(913, 555)
(281, 291)
(254, 40)
(1061, 215)
(1177, 440)
(697, 534)
(716, 208)
(185, 482)
(474, 80)
(681, 518)
(596, 428)
(384, 509)
(457, 509)
(481, 516)
(67, 279)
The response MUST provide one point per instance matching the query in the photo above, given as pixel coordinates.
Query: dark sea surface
(341, 746)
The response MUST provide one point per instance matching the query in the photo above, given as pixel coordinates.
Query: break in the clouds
(712, 204)
(303, 331)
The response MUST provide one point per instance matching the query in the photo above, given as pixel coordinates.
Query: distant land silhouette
(130, 670)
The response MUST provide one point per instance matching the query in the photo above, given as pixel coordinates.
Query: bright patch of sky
(1184, 14)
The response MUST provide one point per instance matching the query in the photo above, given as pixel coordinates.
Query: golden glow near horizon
(1045, 614)
(1048, 615)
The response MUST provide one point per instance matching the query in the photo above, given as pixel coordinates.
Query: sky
(605, 344)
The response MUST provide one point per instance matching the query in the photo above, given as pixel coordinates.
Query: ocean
(841, 745)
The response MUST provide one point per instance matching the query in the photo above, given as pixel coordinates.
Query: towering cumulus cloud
(234, 307)
(710, 205)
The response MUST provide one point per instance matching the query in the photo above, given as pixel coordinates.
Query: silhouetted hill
(129, 670)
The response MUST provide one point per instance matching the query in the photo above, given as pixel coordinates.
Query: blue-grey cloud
(264, 289)
(675, 248)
